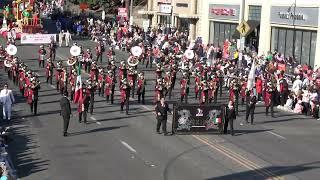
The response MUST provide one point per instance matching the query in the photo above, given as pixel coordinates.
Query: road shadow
(264, 173)
(104, 129)
(240, 132)
(22, 150)
(285, 120)
(119, 118)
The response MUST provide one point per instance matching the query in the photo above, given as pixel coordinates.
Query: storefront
(223, 20)
(164, 14)
(294, 32)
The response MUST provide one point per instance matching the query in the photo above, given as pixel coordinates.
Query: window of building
(298, 43)
(185, 5)
(254, 13)
(222, 31)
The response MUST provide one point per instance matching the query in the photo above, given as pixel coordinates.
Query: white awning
(146, 12)
(189, 16)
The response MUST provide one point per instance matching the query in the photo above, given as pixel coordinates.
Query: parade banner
(282, 67)
(37, 38)
(191, 118)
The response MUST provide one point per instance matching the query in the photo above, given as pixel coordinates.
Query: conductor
(162, 109)
(65, 112)
(230, 116)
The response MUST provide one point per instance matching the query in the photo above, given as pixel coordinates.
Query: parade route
(117, 146)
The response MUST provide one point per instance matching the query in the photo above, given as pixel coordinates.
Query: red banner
(281, 67)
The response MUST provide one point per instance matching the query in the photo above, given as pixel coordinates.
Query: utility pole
(294, 29)
(242, 38)
(131, 12)
(127, 7)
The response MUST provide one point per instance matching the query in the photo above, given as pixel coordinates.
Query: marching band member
(184, 88)
(94, 71)
(52, 49)
(167, 84)
(58, 74)
(268, 99)
(122, 71)
(99, 51)
(132, 79)
(158, 90)
(101, 82)
(72, 82)
(91, 90)
(109, 86)
(141, 90)
(34, 93)
(124, 95)
(27, 83)
(42, 55)
(87, 60)
(204, 92)
(197, 80)
(63, 81)
(14, 70)
(158, 71)
(148, 57)
(22, 77)
(49, 70)
(83, 105)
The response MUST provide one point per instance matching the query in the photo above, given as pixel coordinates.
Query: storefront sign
(122, 12)
(37, 38)
(230, 12)
(164, 1)
(302, 16)
(165, 8)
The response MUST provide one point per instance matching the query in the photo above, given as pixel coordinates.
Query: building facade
(182, 14)
(288, 26)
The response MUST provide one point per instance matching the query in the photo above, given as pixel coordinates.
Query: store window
(164, 19)
(300, 43)
(222, 31)
(254, 13)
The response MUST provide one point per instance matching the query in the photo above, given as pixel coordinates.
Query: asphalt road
(120, 147)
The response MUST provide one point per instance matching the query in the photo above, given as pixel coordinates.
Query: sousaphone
(71, 61)
(7, 63)
(189, 54)
(133, 62)
(75, 50)
(136, 51)
(11, 50)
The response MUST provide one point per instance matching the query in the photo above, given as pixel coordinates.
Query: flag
(216, 120)
(78, 90)
(252, 76)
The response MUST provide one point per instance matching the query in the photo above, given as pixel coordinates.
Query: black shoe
(65, 134)
(158, 132)
(80, 122)
(166, 134)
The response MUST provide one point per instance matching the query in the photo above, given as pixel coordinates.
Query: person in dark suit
(250, 109)
(230, 116)
(162, 109)
(65, 113)
(83, 107)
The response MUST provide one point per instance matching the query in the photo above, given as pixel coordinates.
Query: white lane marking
(275, 134)
(145, 107)
(93, 118)
(52, 86)
(128, 147)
